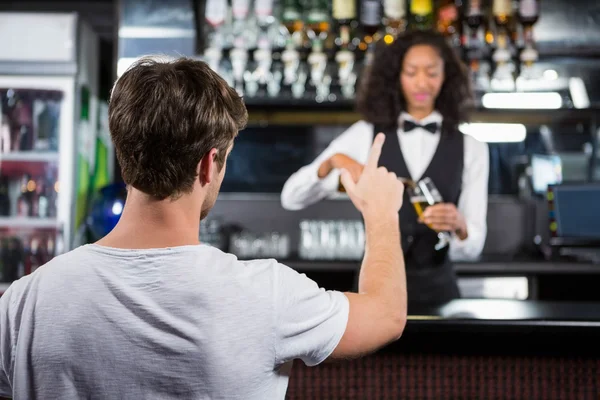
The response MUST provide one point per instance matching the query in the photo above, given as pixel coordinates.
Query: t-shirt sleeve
(6, 349)
(309, 320)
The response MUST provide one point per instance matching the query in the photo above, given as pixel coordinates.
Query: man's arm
(314, 324)
(377, 314)
(378, 311)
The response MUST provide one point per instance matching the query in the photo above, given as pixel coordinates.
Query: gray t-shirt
(188, 322)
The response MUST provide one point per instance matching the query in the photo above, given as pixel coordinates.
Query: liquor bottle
(24, 205)
(421, 15)
(45, 125)
(503, 13)
(344, 13)
(474, 20)
(243, 37)
(370, 18)
(40, 201)
(4, 197)
(395, 18)
(263, 9)
(33, 262)
(474, 14)
(291, 17)
(215, 15)
(448, 21)
(317, 22)
(5, 134)
(21, 121)
(529, 11)
(50, 248)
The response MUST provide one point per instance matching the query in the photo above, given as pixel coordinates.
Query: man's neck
(148, 224)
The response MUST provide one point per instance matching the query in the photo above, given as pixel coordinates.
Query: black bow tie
(410, 125)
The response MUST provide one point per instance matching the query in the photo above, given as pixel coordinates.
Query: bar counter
(473, 349)
(489, 265)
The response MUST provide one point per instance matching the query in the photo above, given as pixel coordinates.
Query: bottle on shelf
(215, 15)
(528, 15)
(46, 132)
(317, 22)
(12, 256)
(4, 196)
(317, 28)
(24, 201)
(241, 32)
(529, 11)
(421, 15)
(503, 16)
(344, 13)
(370, 20)
(20, 120)
(449, 22)
(40, 201)
(474, 19)
(263, 10)
(33, 261)
(394, 19)
(291, 17)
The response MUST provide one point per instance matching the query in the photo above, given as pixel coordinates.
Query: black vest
(430, 277)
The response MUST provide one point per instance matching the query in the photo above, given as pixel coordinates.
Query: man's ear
(207, 167)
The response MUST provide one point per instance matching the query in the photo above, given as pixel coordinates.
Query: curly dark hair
(380, 99)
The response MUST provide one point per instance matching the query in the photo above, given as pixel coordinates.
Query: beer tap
(346, 76)
(239, 61)
(291, 63)
(274, 84)
(299, 86)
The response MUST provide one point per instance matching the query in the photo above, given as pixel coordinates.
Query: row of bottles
(29, 120)
(499, 44)
(23, 254)
(316, 49)
(37, 196)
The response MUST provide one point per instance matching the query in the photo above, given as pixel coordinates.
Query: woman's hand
(445, 217)
(341, 161)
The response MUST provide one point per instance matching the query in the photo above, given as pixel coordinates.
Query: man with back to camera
(148, 312)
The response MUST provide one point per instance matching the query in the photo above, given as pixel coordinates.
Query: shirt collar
(435, 116)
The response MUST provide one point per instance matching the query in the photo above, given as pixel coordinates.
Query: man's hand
(445, 217)
(377, 192)
(341, 161)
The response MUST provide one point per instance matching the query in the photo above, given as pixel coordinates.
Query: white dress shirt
(304, 187)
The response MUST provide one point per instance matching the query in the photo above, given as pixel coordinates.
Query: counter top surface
(492, 265)
(503, 327)
(524, 311)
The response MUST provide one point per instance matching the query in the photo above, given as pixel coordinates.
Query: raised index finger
(375, 152)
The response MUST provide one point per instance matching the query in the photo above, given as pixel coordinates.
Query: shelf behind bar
(29, 156)
(283, 115)
(28, 222)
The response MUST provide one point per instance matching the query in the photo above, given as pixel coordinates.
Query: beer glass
(423, 194)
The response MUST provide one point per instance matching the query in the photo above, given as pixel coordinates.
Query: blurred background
(534, 66)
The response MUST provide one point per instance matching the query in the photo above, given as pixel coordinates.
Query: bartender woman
(417, 92)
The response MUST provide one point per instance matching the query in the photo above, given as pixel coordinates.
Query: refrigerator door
(36, 171)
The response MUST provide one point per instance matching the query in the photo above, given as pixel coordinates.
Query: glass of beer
(423, 194)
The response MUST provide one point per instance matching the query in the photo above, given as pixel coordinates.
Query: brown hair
(165, 116)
